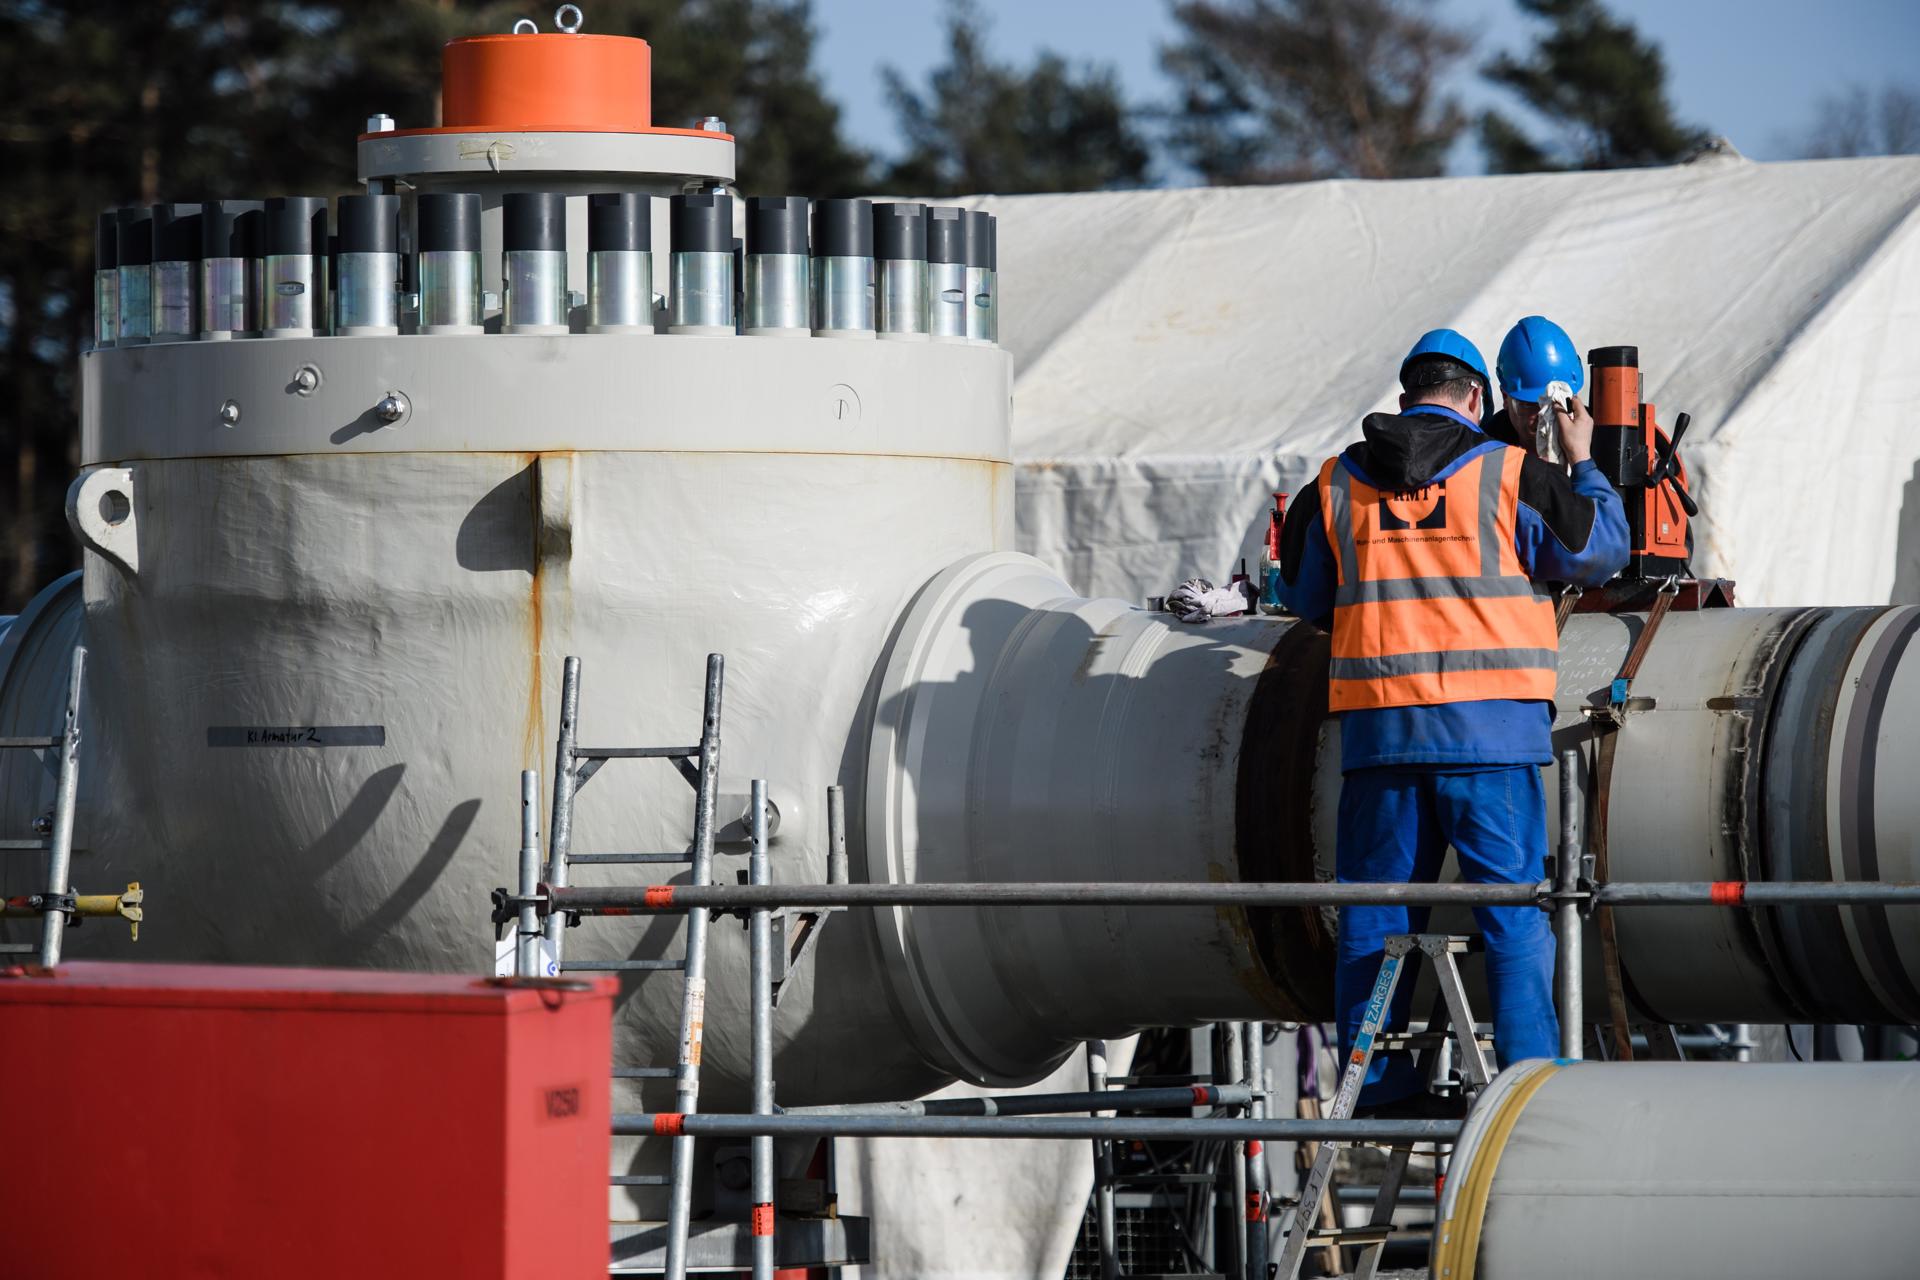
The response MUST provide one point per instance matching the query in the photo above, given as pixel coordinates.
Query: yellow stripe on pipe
(1456, 1250)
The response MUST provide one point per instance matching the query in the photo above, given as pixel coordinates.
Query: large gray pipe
(1024, 733)
(1686, 1169)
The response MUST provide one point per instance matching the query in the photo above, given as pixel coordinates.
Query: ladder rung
(16, 948)
(645, 1073)
(1421, 1039)
(22, 846)
(28, 744)
(632, 753)
(615, 966)
(624, 859)
(639, 1180)
(1351, 1235)
(1163, 1179)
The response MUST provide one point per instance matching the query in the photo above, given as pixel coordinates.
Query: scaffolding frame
(1569, 894)
(57, 906)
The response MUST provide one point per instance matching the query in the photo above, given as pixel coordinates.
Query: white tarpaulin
(966, 1209)
(1181, 354)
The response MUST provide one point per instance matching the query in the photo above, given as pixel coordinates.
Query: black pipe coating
(135, 236)
(900, 232)
(294, 224)
(946, 235)
(777, 224)
(702, 222)
(106, 241)
(231, 228)
(843, 229)
(980, 239)
(533, 220)
(369, 223)
(448, 222)
(176, 233)
(619, 221)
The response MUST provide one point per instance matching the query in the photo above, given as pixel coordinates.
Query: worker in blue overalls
(1422, 550)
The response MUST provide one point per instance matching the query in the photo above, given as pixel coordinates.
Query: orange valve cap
(562, 83)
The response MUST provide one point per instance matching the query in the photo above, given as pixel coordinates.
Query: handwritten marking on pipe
(297, 735)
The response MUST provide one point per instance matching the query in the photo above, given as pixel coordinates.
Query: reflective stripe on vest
(1432, 603)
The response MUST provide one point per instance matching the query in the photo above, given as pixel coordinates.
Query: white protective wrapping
(1181, 354)
(973, 1210)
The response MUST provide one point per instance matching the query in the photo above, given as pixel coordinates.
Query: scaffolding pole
(1103, 1166)
(1080, 1128)
(654, 899)
(1569, 871)
(760, 935)
(1169, 1098)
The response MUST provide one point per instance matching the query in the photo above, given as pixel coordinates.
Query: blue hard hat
(1448, 343)
(1538, 351)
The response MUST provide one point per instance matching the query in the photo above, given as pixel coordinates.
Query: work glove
(1196, 600)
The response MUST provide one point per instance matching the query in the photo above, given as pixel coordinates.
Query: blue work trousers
(1395, 826)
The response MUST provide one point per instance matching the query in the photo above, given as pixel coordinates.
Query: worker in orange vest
(1422, 549)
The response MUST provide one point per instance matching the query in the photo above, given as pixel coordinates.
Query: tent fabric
(1181, 355)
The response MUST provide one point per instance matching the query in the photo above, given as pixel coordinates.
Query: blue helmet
(1448, 343)
(1538, 351)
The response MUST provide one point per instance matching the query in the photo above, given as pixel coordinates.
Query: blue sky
(1751, 69)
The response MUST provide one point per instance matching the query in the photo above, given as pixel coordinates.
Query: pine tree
(1283, 90)
(1602, 88)
(981, 125)
(1863, 123)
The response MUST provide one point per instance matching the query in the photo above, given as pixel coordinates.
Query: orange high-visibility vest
(1433, 604)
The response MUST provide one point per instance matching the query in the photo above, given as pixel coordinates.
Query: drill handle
(1667, 469)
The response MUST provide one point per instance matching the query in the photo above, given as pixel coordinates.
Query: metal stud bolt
(392, 407)
(230, 413)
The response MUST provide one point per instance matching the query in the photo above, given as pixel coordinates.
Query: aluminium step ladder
(699, 764)
(1450, 1008)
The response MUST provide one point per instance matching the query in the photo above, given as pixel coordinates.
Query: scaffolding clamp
(36, 904)
(1582, 893)
(507, 904)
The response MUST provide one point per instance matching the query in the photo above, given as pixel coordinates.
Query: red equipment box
(212, 1121)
